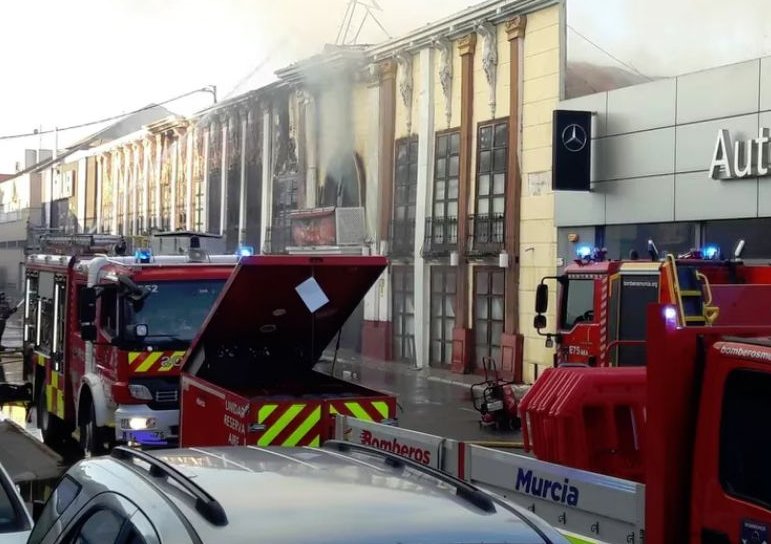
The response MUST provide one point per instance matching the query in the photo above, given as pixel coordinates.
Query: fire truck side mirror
(87, 305)
(87, 314)
(541, 298)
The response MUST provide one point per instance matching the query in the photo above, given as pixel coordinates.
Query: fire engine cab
(105, 332)
(602, 303)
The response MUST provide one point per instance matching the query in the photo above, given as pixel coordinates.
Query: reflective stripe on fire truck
(289, 425)
(375, 411)
(154, 361)
(54, 388)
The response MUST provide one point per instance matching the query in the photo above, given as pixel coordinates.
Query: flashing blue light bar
(143, 255)
(710, 252)
(583, 252)
(245, 251)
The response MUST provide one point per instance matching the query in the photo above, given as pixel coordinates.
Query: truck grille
(167, 396)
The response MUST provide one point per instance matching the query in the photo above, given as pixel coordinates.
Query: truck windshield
(577, 302)
(174, 310)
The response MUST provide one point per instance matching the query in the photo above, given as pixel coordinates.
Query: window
(745, 438)
(488, 312)
(404, 313)
(487, 225)
(405, 197)
(101, 527)
(726, 234)
(175, 309)
(492, 147)
(578, 302)
(12, 516)
(61, 498)
(442, 228)
(675, 238)
(443, 286)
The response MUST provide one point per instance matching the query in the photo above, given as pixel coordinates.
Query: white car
(15, 521)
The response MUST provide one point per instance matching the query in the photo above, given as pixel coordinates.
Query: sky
(66, 62)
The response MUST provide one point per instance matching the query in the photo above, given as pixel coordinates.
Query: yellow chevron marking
(60, 403)
(381, 407)
(303, 429)
(55, 380)
(132, 356)
(357, 411)
(265, 411)
(270, 434)
(149, 362)
(41, 360)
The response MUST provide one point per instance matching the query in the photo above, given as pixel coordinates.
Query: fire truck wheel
(93, 439)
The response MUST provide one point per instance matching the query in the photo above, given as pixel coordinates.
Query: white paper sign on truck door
(420, 447)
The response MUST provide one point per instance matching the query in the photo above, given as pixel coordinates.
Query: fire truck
(601, 303)
(105, 332)
(249, 378)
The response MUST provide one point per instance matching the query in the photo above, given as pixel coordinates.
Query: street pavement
(431, 400)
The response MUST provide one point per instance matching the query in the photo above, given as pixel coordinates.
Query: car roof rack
(464, 490)
(205, 504)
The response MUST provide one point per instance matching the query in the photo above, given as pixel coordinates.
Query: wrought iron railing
(441, 236)
(486, 235)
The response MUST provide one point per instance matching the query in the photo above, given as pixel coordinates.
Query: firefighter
(6, 311)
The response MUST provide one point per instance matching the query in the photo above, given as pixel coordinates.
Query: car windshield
(174, 310)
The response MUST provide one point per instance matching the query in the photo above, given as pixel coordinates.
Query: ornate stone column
(462, 339)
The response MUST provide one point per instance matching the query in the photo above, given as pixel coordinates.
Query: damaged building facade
(433, 149)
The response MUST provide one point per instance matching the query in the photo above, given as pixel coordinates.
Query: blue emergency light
(245, 251)
(143, 256)
(710, 252)
(584, 252)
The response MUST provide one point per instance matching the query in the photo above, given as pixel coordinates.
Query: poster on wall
(571, 150)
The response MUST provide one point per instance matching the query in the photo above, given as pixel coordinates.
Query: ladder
(690, 285)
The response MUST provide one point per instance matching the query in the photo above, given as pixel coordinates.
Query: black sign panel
(571, 150)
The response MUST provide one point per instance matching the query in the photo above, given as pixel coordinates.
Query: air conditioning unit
(350, 226)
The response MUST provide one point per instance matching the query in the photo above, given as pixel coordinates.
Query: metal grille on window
(405, 197)
(488, 313)
(404, 313)
(443, 287)
(487, 224)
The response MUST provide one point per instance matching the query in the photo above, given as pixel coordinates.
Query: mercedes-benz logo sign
(574, 138)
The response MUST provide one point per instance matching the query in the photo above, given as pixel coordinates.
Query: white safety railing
(598, 508)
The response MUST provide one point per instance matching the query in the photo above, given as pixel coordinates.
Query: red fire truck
(104, 336)
(601, 303)
(248, 377)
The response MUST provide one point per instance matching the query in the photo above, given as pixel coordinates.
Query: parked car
(15, 521)
(341, 493)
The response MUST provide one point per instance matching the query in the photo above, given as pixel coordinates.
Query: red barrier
(588, 418)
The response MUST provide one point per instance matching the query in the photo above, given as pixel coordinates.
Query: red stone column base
(376, 340)
(462, 348)
(512, 346)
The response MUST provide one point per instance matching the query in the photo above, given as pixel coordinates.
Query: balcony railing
(402, 238)
(277, 239)
(486, 235)
(441, 236)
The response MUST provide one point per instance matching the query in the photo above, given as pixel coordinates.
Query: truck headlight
(140, 392)
(138, 423)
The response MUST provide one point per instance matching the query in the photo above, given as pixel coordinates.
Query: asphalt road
(425, 404)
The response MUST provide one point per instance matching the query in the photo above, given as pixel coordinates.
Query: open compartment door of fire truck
(248, 377)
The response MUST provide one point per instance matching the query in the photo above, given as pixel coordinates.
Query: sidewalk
(431, 374)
